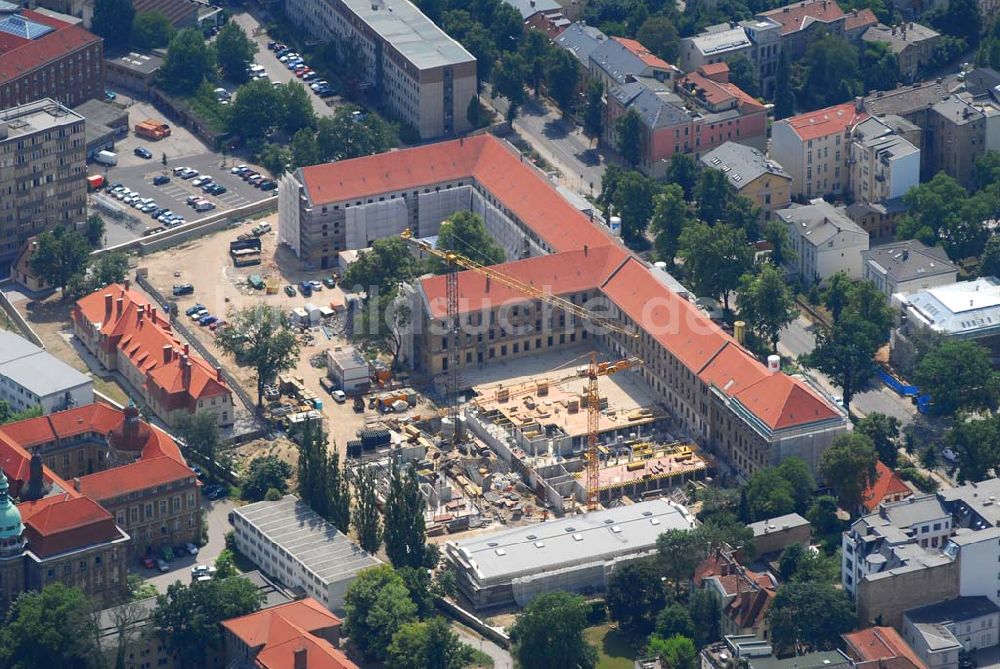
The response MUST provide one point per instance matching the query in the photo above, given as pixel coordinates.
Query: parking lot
(173, 195)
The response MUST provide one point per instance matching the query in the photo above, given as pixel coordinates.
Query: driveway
(180, 567)
(501, 658)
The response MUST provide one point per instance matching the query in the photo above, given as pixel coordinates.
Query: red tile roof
(484, 158)
(643, 54)
(781, 401)
(140, 475)
(733, 370)
(887, 484)
(857, 19)
(714, 69)
(319, 654)
(881, 643)
(255, 629)
(797, 16)
(716, 93)
(63, 522)
(825, 122)
(19, 56)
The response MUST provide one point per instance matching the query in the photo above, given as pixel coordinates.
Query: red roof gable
(880, 643)
(140, 475)
(19, 56)
(63, 522)
(716, 93)
(319, 654)
(517, 186)
(857, 19)
(887, 483)
(642, 53)
(797, 16)
(824, 122)
(255, 629)
(781, 401)
(733, 370)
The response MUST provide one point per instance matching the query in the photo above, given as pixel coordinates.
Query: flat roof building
(907, 267)
(295, 546)
(420, 73)
(30, 377)
(963, 310)
(576, 553)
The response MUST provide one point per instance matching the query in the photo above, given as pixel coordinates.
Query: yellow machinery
(594, 369)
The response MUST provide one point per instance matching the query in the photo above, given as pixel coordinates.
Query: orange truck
(151, 129)
(95, 182)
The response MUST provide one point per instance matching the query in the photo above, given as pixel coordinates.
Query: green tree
(680, 552)
(845, 353)
(765, 301)
(151, 30)
(297, 107)
(776, 234)
(976, 442)
(508, 81)
(989, 261)
(367, 521)
(474, 112)
(199, 431)
(883, 430)
(958, 375)
(187, 617)
(837, 294)
(60, 256)
(822, 515)
(941, 211)
(304, 148)
(465, 232)
(106, 269)
(677, 651)
(683, 171)
(743, 73)
(830, 71)
(712, 194)
(593, 113)
(53, 627)
(879, 67)
(549, 633)
(715, 257)
(659, 35)
(674, 619)
(312, 468)
(93, 231)
(338, 493)
(670, 217)
(635, 595)
(633, 201)
(225, 564)
(260, 337)
(784, 97)
(535, 47)
(384, 267)
(562, 76)
(810, 615)
(377, 604)
(848, 466)
(112, 20)
(740, 212)
(427, 645)
(706, 615)
(265, 473)
(790, 560)
(628, 137)
(960, 18)
(768, 495)
(795, 470)
(341, 137)
(189, 61)
(235, 52)
(258, 110)
(405, 534)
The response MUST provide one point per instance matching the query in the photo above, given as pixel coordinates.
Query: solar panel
(22, 27)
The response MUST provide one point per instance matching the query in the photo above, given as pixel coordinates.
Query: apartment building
(813, 148)
(826, 242)
(30, 377)
(295, 546)
(580, 40)
(882, 165)
(419, 73)
(744, 594)
(43, 57)
(912, 43)
(617, 60)
(758, 39)
(907, 267)
(942, 633)
(43, 150)
(753, 175)
(802, 22)
(957, 134)
(127, 334)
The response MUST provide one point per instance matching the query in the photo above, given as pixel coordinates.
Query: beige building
(421, 74)
(957, 133)
(753, 175)
(43, 150)
(912, 43)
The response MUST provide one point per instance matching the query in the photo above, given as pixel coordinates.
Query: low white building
(907, 266)
(825, 241)
(30, 377)
(289, 542)
(575, 553)
(348, 369)
(940, 632)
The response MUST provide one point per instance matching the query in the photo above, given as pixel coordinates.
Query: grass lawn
(614, 650)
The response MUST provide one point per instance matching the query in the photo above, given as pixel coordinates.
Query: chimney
(586, 249)
(36, 484)
(152, 314)
(109, 301)
(186, 370)
(76, 483)
(186, 351)
(218, 375)
(859, 104)
(119, 305)
(487, 283)
(126, 283)
(167, 353)
(138, 314)
(299, 659)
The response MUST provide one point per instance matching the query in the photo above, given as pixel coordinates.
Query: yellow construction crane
(594, 369)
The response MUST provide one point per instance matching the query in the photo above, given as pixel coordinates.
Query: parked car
(148, 563)
(207, 320)
(161, 179)
(306, 288)
(290, 291)
(191, 549)
(110, 96)
(217, 189)
(330, 282)
(162, 565)
(180, 170)
(309, 76)
(267, 185)
(239, 169)
(207, 186)
(339, 396)
(197, 316)
(183, 289)
(143, 152)
(189, 173)
(201, 180)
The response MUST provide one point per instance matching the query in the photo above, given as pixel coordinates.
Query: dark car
(290, 291)
(183, 289)
(267, 185)
(306, 289)
(161, 179)
(143, 153)
(217, 189)
(271, 45)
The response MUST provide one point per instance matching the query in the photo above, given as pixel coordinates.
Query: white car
(237, 169)
(178, 170)
(339, 397)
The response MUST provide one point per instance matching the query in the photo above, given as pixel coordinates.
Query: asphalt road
(501, 658)
(180, 567)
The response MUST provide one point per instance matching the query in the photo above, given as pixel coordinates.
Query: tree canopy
(811, 615)
(189, 61)
(61, 255)
(405, 534)
(883, 430)
(48, 628)
(628, 137)
(635, 595)
(958, 375)
(265, 473)
(765, 301)
(715, 258)
(427, 645)
(235, 52)
(377, 604)
(465, 232)
(848, 467)
(261, 337)
(151, 30)
(112, 20)
(548, 633)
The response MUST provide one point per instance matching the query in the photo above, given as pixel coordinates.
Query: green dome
(10, 517)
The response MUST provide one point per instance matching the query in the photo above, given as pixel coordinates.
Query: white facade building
(289, 542)
(908, 266)
(940, 632)
(883, 165)
(348, 369)
(825, 241)
(716, 44)
(30, 377)
(419, 72)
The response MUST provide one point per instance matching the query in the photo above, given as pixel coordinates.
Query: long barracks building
(724, 396)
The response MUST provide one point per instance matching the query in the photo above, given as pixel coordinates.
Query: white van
(203, 205)
(106, 158)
